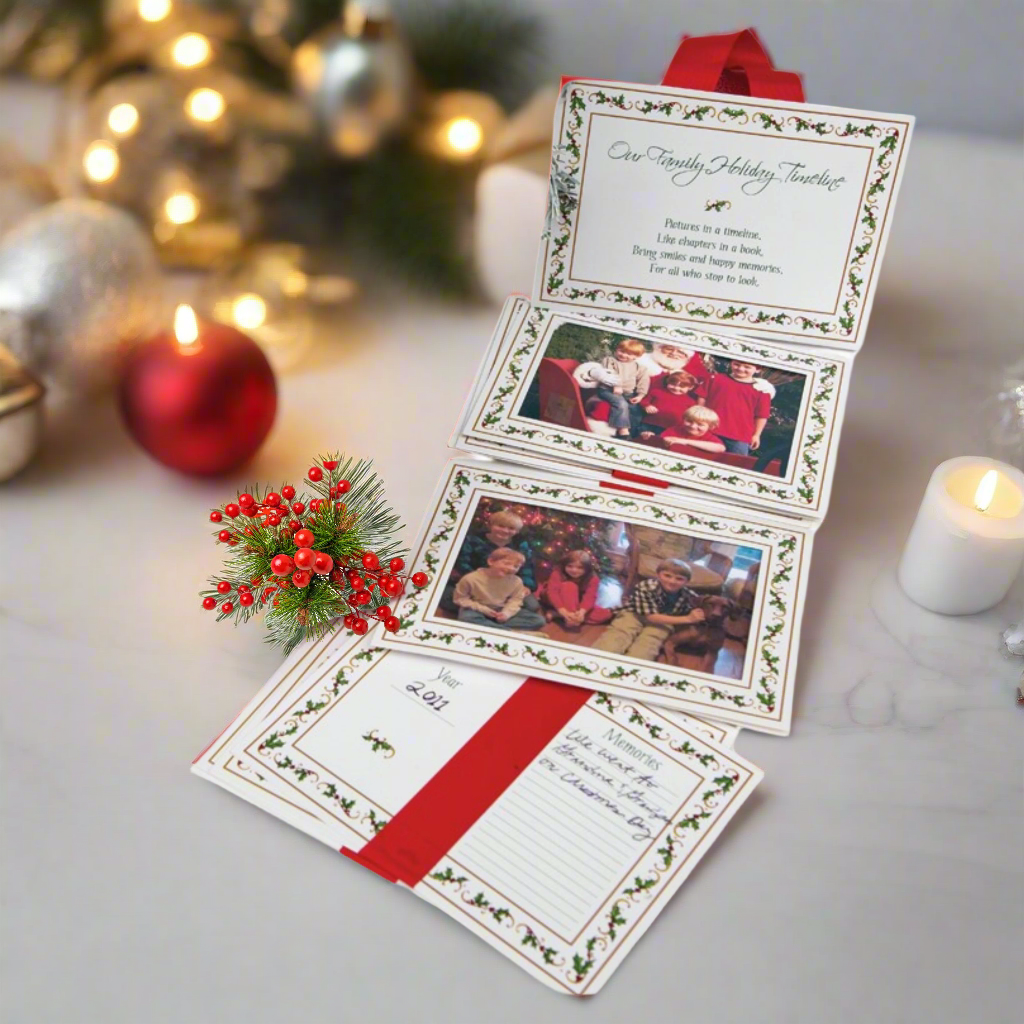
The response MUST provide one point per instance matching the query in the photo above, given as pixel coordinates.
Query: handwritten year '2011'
(431, 698)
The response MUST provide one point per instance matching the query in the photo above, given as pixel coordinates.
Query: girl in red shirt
(570, 593)
(669, 398)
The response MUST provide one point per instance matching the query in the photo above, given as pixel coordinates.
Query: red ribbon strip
(441, 813)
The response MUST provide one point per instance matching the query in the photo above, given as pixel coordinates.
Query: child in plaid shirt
(651, 610)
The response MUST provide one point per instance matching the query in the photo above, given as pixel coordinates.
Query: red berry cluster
(357, 586)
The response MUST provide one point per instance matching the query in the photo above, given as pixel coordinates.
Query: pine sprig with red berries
(306, 561)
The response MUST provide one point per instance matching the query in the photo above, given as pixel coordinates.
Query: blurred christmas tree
(316, 122)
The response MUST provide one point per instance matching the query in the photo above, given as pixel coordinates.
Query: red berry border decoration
(305, 562)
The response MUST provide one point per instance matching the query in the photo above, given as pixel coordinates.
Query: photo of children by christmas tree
(605, 584)
(665, 395)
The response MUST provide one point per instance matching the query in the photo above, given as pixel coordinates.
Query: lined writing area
(562, 836)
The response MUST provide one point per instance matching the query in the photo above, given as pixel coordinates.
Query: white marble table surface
(875, 877)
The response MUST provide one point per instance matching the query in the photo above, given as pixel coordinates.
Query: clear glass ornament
(271, 295)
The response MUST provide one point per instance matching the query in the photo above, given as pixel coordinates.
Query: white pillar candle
(967, 543)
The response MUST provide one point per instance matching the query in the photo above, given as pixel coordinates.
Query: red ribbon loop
(735, 63)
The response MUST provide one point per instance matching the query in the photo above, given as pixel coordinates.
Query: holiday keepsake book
(618, 556)
(663, 414)
(553, 822)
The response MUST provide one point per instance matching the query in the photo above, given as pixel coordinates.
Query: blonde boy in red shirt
(696, 432)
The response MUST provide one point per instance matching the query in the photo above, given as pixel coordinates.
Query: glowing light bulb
(181, 208)
(100, 162)
(986, 491)
(204, 105)
(123, 119)
(186, 326)
(464, 136)
(249, 311)
(191, 50)
(153, 10)
(295, 283)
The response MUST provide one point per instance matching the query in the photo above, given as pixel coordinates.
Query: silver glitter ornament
(357, 77)
(78, 280)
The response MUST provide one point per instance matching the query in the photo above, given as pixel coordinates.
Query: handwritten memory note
(596, 796)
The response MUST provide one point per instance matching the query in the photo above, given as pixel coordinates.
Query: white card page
(759, 216)
(595, 834)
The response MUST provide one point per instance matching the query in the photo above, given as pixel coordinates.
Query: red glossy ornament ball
(419, 579)
(315, 474)
(287, 492)
(383, 612)
(371, 561)
(356, 582)
(392, 624)
(360, 626)
(201, 408)
(322, 563)
(331, 465)
(246, 500)
(348, 620)
(304, 558)
(294, 525)
(232, 510)
(273, 499)
(343, 487)
(301, 578)
(209, 603)
(223, 587)
(215, 516)
(227, 607)
(268, 593)
(396, 564)
(273, 519)
(360, 597)
(224, 536)
(298, 508)
(393, 587)
(304, 538)
(281, 565)
(246, 599)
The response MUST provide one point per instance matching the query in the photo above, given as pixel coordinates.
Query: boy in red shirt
(742, 404)
(669, 398)
(695, 434)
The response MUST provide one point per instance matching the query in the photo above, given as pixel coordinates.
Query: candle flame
(186, 327)
(986, 491)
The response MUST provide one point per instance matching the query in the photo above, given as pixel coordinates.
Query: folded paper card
(666, 409)
(552, 821)
(759, 217)
(540, 396)
(499, 537)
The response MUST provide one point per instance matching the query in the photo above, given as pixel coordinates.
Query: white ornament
(78, 281)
